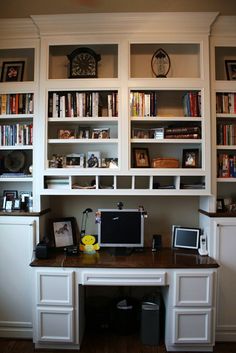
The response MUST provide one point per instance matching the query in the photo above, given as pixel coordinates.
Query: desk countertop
(164, 258)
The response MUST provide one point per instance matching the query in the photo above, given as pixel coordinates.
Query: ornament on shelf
(160, 63)
(83, 63)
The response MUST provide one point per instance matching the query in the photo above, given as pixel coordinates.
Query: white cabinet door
(16, 244)
(192, 326)
(225, 254)
(55, 324)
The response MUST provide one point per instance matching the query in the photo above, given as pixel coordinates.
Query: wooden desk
(187, 282)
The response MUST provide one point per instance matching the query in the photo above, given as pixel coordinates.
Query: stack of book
(183, 132)
(226, 166)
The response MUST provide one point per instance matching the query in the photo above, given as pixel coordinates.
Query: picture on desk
(63, 231)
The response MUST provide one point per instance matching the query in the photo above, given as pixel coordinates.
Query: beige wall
(25, 8)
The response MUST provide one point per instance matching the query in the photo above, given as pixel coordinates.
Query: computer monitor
(121, 228)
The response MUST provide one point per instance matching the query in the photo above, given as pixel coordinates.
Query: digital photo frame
(187, 238)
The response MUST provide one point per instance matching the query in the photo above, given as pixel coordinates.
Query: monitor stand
(120, 251)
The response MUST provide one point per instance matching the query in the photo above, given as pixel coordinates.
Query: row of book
(226, 134)
(16, 134)
(82, 104)
(226, 165)
(226, 103)
(143, 104)
(19, 103)
(192, 104)
(183, 132)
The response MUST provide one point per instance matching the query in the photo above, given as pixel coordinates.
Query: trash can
(150, 320)
(125, 316)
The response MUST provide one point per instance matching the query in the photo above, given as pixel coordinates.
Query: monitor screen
(186, 237)
(121, 228)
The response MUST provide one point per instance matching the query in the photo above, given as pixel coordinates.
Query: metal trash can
(150, 320)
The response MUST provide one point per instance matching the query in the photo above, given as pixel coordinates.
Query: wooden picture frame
(141, 158)
(10, 194)
(65, 134)
(63, 232)
(12, 71)
(230, 66)
(84, 132)
(220, 205)
(190, 158)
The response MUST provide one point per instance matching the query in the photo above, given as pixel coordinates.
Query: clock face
(83, 63)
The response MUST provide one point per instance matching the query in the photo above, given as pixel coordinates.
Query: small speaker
(42, 251)
(156, 242)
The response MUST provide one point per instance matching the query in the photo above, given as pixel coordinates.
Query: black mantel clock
(83, 63)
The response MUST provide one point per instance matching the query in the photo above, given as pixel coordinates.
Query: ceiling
(25, 8)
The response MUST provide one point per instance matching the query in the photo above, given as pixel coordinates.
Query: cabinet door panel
(193, 289)
(54, 288)
(192, 326)
(55, 324)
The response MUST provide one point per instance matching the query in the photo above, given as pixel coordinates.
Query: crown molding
(18, 28)
(121, 23)
(224, 26)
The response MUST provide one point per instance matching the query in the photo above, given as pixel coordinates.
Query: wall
(162, 211)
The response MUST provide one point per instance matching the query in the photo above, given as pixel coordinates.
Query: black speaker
(156, 242)
(42, 250)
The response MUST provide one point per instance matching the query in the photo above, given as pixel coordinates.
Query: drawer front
(192, 326)
(55, 324)
(193, 289)
(54, 288)
(126, 277)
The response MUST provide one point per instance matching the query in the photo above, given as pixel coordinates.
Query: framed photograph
(2, 202)
(110, 163)
(230, 66)
(9, 204)
(220, 205)
(187, 238)
(75, 160)
(101, 133)
(66, 134)
(63, 231)
(140, 133)
(93, 159)
(16, 204)
(10, 194)
(12, 71)
(190, 158)
(84, 133)
(141, 158)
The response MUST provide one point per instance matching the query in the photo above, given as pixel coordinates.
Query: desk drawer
(123, 277)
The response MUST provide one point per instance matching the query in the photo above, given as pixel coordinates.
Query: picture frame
(84, 133)
(230, 66)
(190, 158)
(101, 133)
(10, 194)
(186, 237)
(63, 232)
(93, 159)
(16, 204)
(220, 205)
(9, 204)
(12, 71)
(2, 202)
(141, 158)
(74, 160)
(65, 134)
(140, 133)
